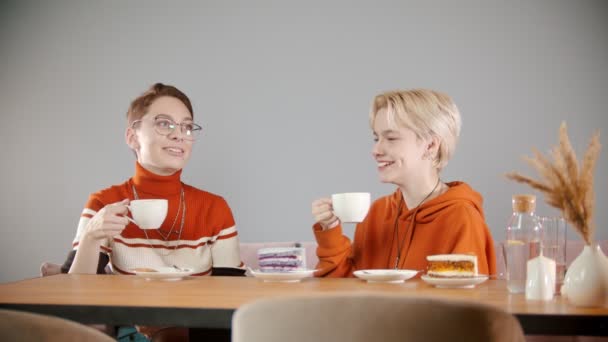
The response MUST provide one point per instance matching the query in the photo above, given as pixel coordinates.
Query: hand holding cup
(322, 210)
(107, 222)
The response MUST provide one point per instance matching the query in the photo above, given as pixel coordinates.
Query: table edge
(217, 318)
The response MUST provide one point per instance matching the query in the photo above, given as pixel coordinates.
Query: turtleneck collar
(153, 184)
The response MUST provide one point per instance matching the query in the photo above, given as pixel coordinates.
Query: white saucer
(165, 273)
(285, 277)
(385, 276)
(455, 282)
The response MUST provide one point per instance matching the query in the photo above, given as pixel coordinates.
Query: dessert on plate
(282, 259)
(452, 266)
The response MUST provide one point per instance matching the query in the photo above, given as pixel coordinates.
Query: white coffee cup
(148, 213)
(351, 206)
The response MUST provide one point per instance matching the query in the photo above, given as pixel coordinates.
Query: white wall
(283, 90)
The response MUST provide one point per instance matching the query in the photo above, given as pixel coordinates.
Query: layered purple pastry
(282, 259)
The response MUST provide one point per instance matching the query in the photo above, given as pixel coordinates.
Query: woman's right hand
(322, 210)
(108, 222)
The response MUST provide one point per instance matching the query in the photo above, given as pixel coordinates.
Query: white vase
(586, 281)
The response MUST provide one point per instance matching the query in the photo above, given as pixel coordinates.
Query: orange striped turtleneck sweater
(208, 238)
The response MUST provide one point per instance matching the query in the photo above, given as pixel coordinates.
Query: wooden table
(209, 302)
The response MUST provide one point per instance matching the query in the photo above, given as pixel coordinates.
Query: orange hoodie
(452, 222)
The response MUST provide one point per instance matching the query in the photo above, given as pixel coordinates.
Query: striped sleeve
(91, 208)
(225, 250)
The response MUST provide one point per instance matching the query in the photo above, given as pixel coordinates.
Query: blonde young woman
(415, 134)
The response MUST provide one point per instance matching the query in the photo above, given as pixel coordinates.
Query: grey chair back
(361, 317)
(26, 327)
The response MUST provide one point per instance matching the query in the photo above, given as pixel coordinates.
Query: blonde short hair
(427, 113)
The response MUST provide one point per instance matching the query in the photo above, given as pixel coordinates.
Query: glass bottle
(523, 241)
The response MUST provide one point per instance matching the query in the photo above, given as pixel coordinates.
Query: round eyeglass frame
(196, 131)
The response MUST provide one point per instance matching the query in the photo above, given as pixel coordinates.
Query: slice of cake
(452, 265)
(282, 259)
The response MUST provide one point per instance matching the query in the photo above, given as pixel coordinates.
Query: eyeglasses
(165, 126)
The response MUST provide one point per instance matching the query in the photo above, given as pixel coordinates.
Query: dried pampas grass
(567, 185)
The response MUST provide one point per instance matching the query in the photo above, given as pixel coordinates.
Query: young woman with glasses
(199, 231)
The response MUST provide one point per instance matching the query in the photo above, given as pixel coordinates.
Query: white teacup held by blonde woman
(351, 206)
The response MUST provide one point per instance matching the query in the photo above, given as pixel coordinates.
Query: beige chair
(49, 269)
(371, 318)
(25, 326)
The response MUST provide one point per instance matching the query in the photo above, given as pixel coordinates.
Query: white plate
(165, 273)
(385, 276)
(455, 282)
(286, 277)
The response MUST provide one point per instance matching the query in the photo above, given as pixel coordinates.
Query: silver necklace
(410, 226)
(182, 207)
